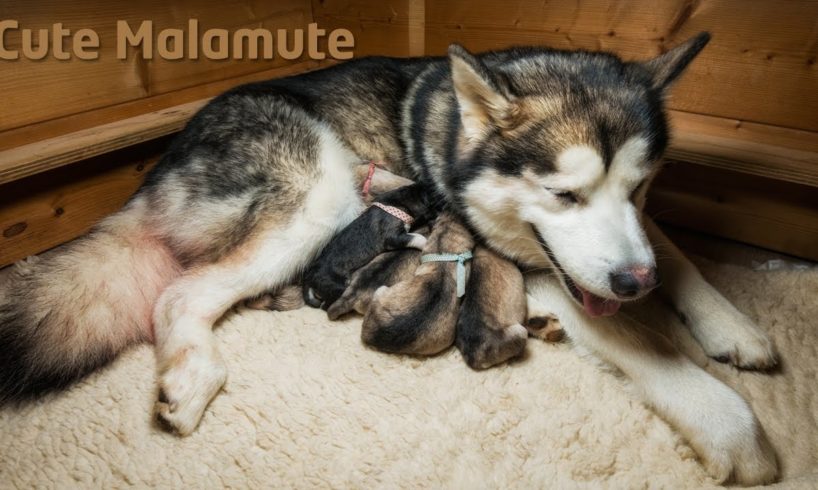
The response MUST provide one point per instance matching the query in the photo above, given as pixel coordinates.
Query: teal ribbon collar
(461, 266)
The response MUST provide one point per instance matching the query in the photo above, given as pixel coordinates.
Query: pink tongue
(596, 306)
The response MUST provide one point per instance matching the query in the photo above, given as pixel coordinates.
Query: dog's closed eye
(564, 196)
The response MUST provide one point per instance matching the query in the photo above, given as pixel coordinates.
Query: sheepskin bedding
(307, 406)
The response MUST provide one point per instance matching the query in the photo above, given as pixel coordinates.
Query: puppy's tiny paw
(546, 328)
(418, 241)
(494, 347)
(312, 298)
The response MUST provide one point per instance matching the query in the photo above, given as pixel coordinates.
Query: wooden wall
(46, 97)
(62, 124)
(768, 213)
(760, 66)
(749, 104)
(45, 210)
(385, 28)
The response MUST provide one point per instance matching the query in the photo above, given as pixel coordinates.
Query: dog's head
(554, 155)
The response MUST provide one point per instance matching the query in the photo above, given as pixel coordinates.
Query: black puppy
(383, 226)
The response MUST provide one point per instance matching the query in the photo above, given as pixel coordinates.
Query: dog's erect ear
(483, 102)
(666, 68)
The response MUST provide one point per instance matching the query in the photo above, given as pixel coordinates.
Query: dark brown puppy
(372, 233)
(419, 315)
(489, 328)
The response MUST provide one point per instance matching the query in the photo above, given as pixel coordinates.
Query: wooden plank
(45, 210)
(758, 149)
(417, 27)
(41, 156)
(42, 89)
(170, 75)
(767, 213)
(87, 85)
(383, 28)
(759, 67)
(92, 118)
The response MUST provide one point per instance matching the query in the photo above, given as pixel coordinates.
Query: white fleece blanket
(306, 405)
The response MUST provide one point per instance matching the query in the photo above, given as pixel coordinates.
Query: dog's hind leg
(724, 333)
(191, 370)
(714, 419)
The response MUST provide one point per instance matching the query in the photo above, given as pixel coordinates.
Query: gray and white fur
(545, 154)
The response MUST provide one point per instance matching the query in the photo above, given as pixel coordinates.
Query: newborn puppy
(377, 230)
(489, 328)
(418, 315)
(386, 269)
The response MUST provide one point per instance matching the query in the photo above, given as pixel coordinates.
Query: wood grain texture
(760, 66)
(41, 156)
(383, 28)
(88, 85)
(758, 149)
(90, 119)
(38, 156)
(767, 213)
(43, 211)
(747, 111)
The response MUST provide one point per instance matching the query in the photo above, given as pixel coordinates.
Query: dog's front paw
(541, 321)
(728, 335)
(729, 440)
(757, 353)
(739, 342)
(746, 459)
(186, 386)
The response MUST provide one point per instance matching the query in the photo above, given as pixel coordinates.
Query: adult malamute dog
(546, 154)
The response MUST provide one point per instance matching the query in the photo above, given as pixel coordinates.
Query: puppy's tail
(74, 308)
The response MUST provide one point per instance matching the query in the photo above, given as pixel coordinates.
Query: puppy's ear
(666, 68)
(482, 101)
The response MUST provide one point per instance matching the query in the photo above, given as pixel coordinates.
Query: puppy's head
(449, 235)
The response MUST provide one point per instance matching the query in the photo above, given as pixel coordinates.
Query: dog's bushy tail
(74, 308)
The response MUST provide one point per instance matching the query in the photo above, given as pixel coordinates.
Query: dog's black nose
(631, 281)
